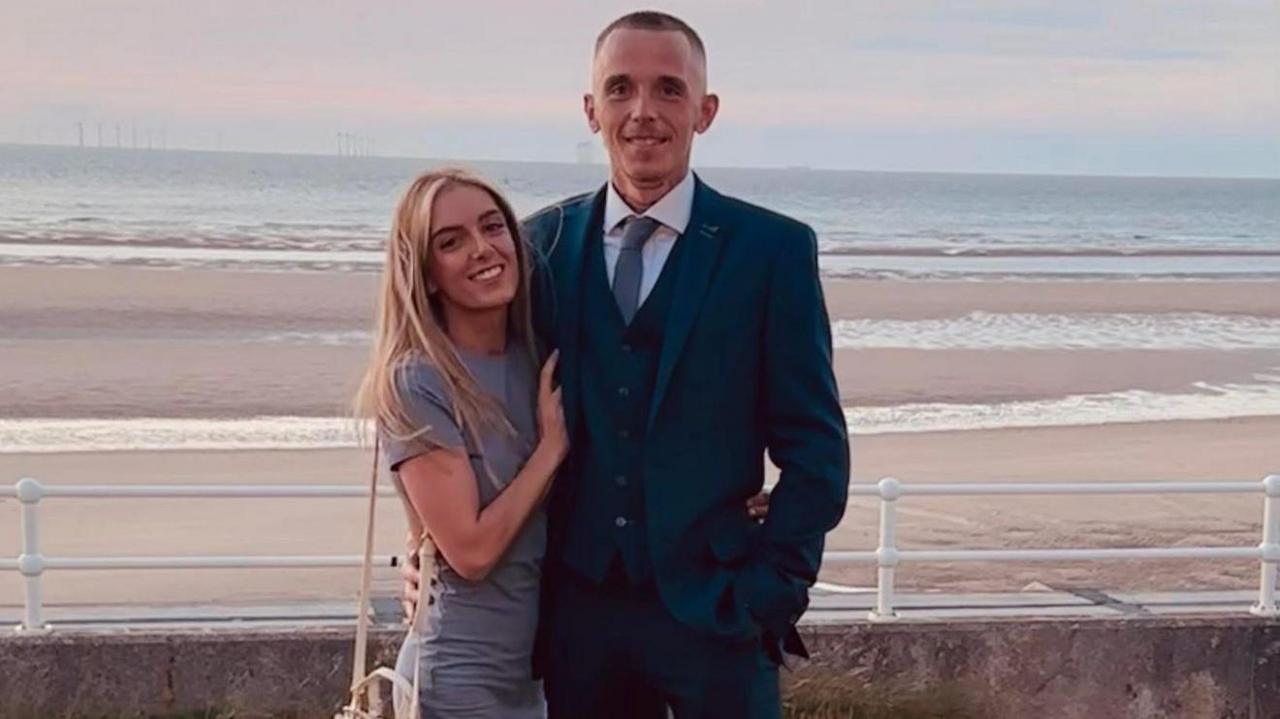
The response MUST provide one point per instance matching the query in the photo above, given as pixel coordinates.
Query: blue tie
(630, 267)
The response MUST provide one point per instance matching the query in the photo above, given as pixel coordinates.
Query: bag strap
(405, 694)
(361, 660)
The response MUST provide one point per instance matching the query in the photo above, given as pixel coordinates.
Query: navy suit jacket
(745, 368)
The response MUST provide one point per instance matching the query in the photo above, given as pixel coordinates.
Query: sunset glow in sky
(1152, 88)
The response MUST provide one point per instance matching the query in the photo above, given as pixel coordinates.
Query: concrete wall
(1140, 668)
(261, 673)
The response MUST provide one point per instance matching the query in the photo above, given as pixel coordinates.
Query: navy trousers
(615, 651)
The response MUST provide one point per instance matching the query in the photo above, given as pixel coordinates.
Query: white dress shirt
(672, 210)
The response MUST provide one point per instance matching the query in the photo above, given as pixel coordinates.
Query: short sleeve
(422, 392)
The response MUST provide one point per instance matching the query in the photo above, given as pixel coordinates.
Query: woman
(472, 435)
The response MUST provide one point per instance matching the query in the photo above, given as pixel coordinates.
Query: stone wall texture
(1135, 668)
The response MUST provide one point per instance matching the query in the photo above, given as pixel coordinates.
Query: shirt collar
(673, 210)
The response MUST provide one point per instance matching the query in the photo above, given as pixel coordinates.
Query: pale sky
(1080, 86)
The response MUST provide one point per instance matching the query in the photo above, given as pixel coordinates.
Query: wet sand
(165, 343)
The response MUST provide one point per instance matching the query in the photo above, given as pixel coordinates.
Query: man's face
(648, 99)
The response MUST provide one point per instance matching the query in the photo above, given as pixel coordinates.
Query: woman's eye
(494, 227)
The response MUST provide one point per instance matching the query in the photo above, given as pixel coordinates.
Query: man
(693, 337)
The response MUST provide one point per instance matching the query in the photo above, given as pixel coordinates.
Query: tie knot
(637, 231)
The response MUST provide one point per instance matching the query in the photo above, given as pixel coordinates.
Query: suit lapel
(705, 237)
(568, 257)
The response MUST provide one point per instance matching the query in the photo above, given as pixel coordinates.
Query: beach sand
(116, 343)
(167, 343)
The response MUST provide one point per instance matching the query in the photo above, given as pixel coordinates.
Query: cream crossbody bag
(366, 689)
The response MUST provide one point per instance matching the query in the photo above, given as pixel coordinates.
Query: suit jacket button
(620, 522)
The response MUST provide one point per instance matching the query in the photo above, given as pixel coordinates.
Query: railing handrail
(1018, 488)
(1040, 555)
(216, 561)
(153, 491)
(230, 491)
(32, 564)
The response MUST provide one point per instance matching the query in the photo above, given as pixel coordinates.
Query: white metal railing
(32, 564)
(887, 556)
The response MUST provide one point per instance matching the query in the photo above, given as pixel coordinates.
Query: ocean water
(97, 206)
(1047, 331)
(973, 331)
(1259, 397)
(102, 207)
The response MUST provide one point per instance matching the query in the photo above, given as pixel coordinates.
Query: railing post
(31, 561)
(1266, 606)
(887, 552)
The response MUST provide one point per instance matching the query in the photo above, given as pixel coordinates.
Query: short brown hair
(653, 20)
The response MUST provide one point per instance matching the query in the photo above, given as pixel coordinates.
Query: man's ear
(589, 109)
(707, 113)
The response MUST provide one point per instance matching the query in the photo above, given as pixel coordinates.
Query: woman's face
(473, 265)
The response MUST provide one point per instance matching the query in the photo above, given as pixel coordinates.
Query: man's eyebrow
(669, 79)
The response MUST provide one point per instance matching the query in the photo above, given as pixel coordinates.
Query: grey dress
(475, 639)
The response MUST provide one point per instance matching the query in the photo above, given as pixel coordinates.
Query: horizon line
(780, 168)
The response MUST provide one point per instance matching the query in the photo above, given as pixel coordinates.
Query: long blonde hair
(410, 323)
